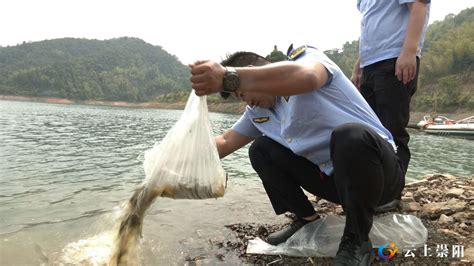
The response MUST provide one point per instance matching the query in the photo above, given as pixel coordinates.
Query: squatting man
(310, 129)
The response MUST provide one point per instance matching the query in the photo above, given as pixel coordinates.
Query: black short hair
(241, 59)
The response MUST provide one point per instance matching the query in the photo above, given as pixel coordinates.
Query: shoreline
(224, 107)
(229, 108)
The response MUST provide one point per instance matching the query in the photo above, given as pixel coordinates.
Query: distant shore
(230, 108)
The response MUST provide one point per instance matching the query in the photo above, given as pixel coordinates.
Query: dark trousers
(366, 174)
(390, 100)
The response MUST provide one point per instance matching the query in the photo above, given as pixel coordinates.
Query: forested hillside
(446, 81)
(123, 69)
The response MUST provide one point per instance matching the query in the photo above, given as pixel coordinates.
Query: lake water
(65, 169)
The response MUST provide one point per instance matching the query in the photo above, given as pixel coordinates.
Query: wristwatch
(231, 81)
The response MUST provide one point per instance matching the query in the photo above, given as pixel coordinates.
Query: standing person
(311, 129)
(392, 35)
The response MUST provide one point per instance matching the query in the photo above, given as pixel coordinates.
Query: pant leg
(284, 174)
(367, 173)
(390, 100)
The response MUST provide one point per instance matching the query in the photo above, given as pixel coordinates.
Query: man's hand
(206, 77)
(405, 67)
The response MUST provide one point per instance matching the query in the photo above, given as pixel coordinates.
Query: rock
(455, 205)
(322, 202)
(455, 192)
(262, 230)
(420, 193)
(433, 177)
(448, 177)
(339, 210)
(416, 184)
(434, 209)
(410, 206)
(463, 217)
(450, 233)
(443, 219)
(463, 225)
(469, 254)
(408, 199)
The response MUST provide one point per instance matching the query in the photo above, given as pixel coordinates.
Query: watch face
(231, 81)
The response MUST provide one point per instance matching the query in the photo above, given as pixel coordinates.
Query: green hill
(123, 69)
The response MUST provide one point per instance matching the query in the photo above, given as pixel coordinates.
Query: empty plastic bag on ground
(321, 238)
(186, 164)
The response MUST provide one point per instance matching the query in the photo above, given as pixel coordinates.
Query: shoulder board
(260, 120)
(297, 53)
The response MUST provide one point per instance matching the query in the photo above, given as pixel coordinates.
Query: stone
(444, 219)
(469, 254)
(408, 199)
(434, 209)
(410, 206)
(461, 217)
(339, 210)
(455, 205)
(420, 193)
(450, 233)
(463, 225)
(455, 192)
(448, 177)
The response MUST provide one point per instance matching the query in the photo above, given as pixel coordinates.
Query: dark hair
(240, 59)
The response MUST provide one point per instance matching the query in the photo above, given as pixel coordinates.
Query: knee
(259, 153)
(348, 136)
(349, 141)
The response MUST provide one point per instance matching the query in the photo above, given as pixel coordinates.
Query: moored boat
(440, 125)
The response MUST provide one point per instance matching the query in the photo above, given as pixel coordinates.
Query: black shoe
(390, 206)
(285, 233)
(353, 253)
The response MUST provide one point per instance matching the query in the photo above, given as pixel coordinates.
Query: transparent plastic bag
(321, 238)
(186, 164)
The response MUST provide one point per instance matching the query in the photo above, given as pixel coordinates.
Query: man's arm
(231, 141)
(277, 79)
(405, 68)
(356, 74)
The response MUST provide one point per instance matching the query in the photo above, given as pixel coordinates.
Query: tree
(276, 55)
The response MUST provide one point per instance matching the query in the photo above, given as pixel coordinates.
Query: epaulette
(297, 53)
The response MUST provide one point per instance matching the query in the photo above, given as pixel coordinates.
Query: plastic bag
(321, 238)
(186, 164)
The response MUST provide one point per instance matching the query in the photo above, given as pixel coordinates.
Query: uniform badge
(297, 53)
(260, 120)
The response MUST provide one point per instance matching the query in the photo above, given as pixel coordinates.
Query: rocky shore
(443, 202)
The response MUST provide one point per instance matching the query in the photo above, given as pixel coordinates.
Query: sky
(195, 30)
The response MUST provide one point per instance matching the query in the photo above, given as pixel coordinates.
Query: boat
(434, 120)
(441, 125)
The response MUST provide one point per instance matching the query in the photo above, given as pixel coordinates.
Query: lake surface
(65, 170)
